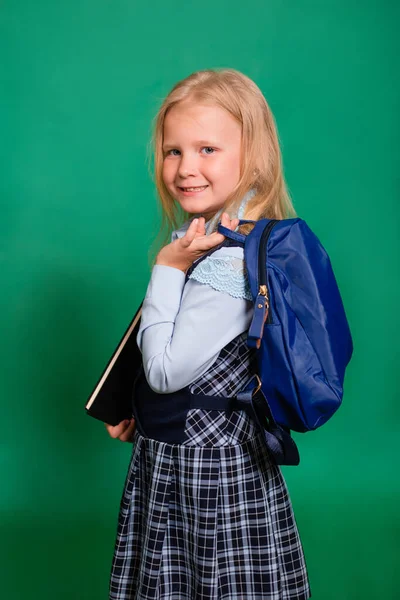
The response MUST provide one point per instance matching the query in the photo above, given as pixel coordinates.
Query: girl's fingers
(228, 223)
(196, 234)
(224, 219)
(201, 230)
(209, 241)
(190, 234)
(127, 435)
(116, 430)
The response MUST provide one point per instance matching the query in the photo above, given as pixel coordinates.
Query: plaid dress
(211, 518)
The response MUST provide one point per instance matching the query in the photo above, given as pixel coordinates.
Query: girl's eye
(173, 150)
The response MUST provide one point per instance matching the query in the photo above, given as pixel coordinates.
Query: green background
(80, 83)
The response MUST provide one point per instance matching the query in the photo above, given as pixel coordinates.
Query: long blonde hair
(261, 160)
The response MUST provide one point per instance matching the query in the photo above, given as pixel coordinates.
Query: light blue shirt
(184, 326)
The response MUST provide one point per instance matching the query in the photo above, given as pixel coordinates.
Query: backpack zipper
(262, 266)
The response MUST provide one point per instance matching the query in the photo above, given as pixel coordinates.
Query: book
(111, 398)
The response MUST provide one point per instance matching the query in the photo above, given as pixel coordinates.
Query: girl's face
(201, 150)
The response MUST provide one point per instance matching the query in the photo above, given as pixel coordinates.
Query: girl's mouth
(191, 191)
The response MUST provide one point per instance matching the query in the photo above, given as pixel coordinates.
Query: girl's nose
(185, 170)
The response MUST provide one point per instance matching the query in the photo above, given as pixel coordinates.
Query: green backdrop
(80, 82)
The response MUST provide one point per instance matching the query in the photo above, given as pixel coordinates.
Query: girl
(205, 514)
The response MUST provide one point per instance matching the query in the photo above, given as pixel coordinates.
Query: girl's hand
(123, 431)
(182, 253)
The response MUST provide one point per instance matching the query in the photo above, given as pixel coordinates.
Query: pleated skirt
(209, 519)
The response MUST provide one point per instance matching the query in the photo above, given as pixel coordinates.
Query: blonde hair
(261, 161)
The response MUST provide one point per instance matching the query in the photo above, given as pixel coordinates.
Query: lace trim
(224, 274)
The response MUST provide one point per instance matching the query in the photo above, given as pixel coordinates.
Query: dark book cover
(111, 398)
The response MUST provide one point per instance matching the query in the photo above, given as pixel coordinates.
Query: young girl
(205, 514)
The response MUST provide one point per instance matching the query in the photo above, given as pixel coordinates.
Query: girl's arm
(184, 327)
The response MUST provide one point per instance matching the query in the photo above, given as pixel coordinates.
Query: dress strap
(218, 403)
(163, 416)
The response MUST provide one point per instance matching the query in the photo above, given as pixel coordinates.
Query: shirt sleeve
(184, 327)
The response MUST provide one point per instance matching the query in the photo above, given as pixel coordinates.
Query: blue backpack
(299, 328)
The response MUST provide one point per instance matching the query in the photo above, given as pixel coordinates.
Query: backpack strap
(277, 438)
(255, 254)
(234, 235)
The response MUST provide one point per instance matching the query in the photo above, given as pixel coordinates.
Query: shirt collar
(212, 223)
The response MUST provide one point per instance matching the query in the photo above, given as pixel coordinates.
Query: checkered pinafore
(209, 518)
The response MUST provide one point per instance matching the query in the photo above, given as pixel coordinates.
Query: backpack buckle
(258, 388)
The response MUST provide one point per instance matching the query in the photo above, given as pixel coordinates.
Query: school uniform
(204, 514)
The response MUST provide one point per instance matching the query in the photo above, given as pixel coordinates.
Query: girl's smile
(192, 191)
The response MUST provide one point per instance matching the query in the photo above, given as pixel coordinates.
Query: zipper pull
(260, 315)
